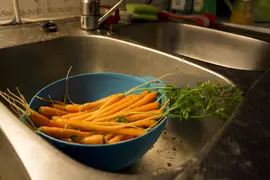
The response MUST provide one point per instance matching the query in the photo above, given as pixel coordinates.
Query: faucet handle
(90, 13)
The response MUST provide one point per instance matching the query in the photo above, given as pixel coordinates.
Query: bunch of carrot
(115, 118)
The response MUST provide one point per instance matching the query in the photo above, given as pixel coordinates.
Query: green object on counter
(262, 11)
(144, 16)
(142, 11)
(204, 6)
(142, 8)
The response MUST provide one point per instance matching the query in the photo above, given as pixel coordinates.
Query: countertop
(258, 27)
(241, 149)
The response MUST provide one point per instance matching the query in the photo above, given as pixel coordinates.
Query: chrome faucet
(90, 13)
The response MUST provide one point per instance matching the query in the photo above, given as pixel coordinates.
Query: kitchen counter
(257, 27)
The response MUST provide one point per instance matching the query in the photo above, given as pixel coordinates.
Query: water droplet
(248, 164)
(159, 150)
(235, 148)
(170, 155)
(161, 170)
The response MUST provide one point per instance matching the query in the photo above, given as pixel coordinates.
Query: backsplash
(6, 10)
(32, 10)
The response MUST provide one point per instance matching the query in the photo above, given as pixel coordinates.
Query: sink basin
(203, 44)
(31, 66)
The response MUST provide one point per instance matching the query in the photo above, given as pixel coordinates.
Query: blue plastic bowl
(90, 87)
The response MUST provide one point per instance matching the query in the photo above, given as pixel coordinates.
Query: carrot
(144, 123)
(56, 117)
(85, 126)
(145, 100)
(113, 99)
(94, 139)
(49, 111)
(131, 131)
(38, 119)
(70, 115)
(105, 123)
(77, 118)
(128, 137)
(147, 107)
(88, 106)
(82, 117)
(73, 108)
(140, 123)
(62, 133)
(118, 107)
(59, 106)
(67, 139)
(108, 136)
(116, 139)
(140, 116)
(115, 107)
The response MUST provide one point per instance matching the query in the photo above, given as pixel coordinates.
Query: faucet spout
(90, 13)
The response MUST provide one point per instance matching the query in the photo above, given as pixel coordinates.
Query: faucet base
(89, 22)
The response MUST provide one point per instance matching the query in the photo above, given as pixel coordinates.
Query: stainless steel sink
(47, 58)
(202, 44)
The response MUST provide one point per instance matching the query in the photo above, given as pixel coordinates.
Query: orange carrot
(115, 107)
(85, 126)
(116, 139)
(147, 107)
(113, 99)
(140, 116)
(56, 117)
(147, 99)
(76, 118)
(70, 115)
(90, 105)
(38, 119)
(128, 137)
(108, 136)
(49, 111)
(82, 117)
(59, 106)
(62, 133)
(94, 139)
(131, 131)
(144, 123)
(67, 139)
(106, 123)
(73, 108)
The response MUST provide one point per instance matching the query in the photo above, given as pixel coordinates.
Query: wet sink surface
(34, 65)
(203, 44)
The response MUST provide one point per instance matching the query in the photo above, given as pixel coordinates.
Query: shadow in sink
(32, 66)
(203, 44)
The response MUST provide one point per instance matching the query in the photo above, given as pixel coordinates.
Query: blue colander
(90, 87)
